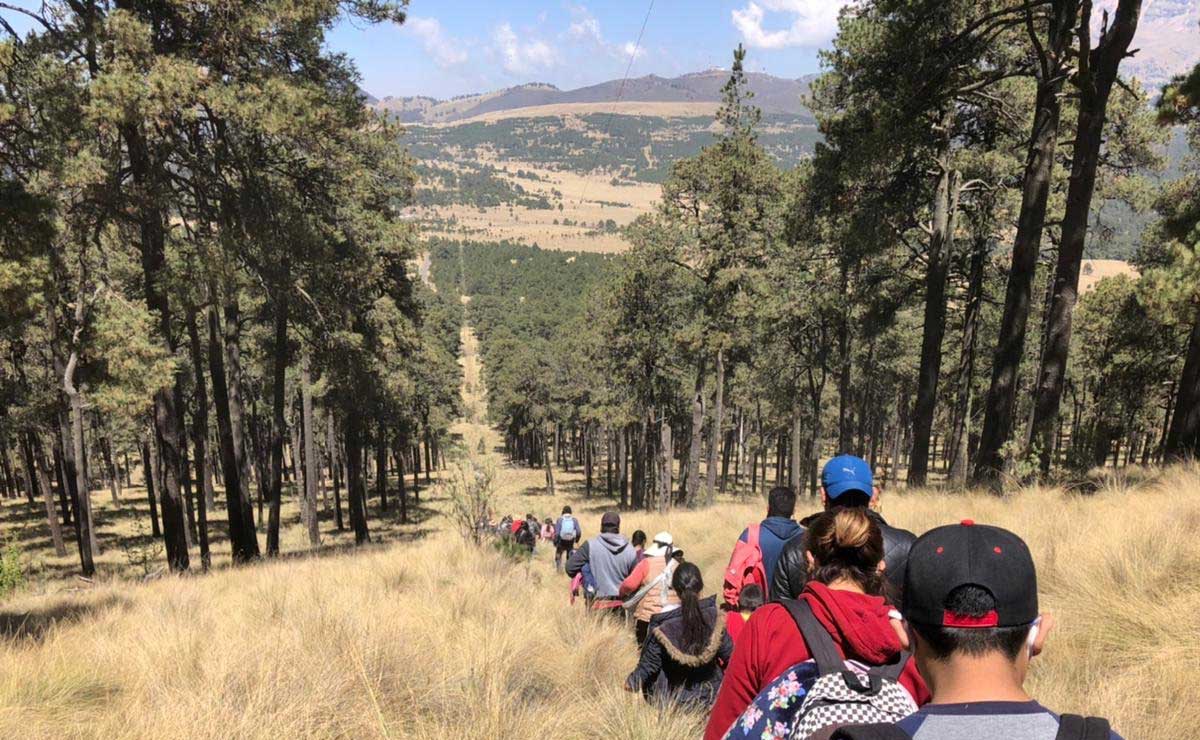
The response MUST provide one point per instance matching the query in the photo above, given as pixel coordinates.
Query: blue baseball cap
(847, 473)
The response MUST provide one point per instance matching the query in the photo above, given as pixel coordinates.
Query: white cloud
(446, 50)
(522, 57)
(813, 23)
(585, 27)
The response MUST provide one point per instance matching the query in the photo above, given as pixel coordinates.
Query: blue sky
(454, 47)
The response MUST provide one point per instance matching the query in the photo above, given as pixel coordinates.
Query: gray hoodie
(611, 558)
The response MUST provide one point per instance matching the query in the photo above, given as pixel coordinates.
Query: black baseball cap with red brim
(970, 554)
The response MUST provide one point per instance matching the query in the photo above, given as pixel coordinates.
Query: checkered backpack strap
(1075, 727)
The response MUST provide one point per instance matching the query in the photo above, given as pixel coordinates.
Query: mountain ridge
(772, 94)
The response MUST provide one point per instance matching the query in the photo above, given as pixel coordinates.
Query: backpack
(1070, 727)
(813, 699)
(569, 530)
(745, 566)
(662, 583)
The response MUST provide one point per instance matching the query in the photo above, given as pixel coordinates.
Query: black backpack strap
(871, 732)
(893, 670)
(820, 644)
(1075, 727)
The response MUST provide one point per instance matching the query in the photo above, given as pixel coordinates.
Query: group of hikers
(838, 626)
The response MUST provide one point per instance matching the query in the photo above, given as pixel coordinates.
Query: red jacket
(735, 625)
(770, 642)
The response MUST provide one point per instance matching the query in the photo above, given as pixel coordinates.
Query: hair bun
(851, 529)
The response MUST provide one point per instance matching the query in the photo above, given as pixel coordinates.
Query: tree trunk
(355, 487)
(37, 462)
(696, 440)
(1184, 436)
(278, 419)
(29, 469)
(941, 242)
(845, 367)
(797, 471)
(148, 473)
(715, 436)
(549, 467)
(381, 468)
(200, 439)
(114, 479)
(664, 464)
(608, 463)
(1000, 406)
(60, 477)
(623, 454)
(1096, 77)
(587, 460)
(335, 474)
(959, 437)
(227, 400)
(311, 519)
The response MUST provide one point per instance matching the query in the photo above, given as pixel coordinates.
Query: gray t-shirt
(988, 720)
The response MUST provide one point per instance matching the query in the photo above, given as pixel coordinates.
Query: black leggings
(641, 631)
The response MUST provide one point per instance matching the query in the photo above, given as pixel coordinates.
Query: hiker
(547, 534)
(566, 533)
(971, 614)
(749, 601)
(686, 648)
(638, 540)
(610, 558)
(846, 481)
(757, 550)
(844, 595)
(525, 532)
(647, 591)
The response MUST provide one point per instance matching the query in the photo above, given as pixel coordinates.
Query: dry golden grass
(1093, 271)
(586, 199)
(431, 638)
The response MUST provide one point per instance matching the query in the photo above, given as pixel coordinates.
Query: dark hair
(972, 601)
(846, 543)
(566, 510)
(638, 538)
(750, 598)
(851, 500)
(781, 501)
(688, 583)
(530, 516)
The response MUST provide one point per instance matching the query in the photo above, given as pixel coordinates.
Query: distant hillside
(773, 94)
(1168, 40)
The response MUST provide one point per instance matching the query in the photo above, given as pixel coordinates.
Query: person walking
(686, 648)
(757, 550)
(972, 621)
(647, 590)
(566, 533)
(844, 594)
(610, 559)
(846, 481)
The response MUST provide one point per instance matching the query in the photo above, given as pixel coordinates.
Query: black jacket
(668, 672)
(791, 573)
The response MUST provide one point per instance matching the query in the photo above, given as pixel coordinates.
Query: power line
(620, 92)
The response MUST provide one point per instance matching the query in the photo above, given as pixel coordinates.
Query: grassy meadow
(431, 638)
(424, 636)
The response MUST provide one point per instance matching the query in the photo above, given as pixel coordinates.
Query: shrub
(470, 488)
(12, 570)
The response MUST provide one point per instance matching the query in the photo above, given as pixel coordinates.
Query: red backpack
(745, 567)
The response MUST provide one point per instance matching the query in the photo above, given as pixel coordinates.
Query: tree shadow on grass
(36, 624)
